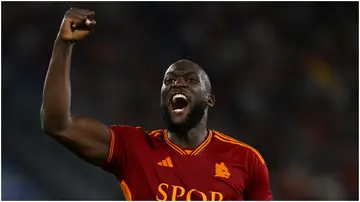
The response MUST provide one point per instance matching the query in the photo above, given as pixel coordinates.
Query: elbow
(48, 128)
(52, 126)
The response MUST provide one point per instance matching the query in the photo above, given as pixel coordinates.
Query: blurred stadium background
(285, 76)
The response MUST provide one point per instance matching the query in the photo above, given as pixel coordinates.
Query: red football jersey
(149, 166)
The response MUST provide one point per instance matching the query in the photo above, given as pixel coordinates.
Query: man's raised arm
(87, 138)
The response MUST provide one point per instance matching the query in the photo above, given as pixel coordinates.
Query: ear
(211, 100)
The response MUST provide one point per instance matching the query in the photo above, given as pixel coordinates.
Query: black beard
(193, 118)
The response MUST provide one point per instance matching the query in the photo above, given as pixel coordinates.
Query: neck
(191, 138)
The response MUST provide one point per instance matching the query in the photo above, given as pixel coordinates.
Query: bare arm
(87, 138)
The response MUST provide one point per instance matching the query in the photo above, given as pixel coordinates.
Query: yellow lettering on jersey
(214, 198)
(188, 195)
(178, 191)
(162, 192)
(175, 194)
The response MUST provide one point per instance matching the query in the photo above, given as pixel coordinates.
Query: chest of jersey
(162, 174)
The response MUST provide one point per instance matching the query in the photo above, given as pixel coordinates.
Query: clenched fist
(77, 23)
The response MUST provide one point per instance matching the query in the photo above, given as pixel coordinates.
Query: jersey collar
(193, 152)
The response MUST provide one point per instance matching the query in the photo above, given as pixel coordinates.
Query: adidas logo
(166, 163)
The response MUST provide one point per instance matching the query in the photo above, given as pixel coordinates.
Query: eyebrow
(178, 73)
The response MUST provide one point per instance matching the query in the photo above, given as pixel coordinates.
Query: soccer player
(185, 161)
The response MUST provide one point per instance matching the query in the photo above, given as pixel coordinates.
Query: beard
(192, 119)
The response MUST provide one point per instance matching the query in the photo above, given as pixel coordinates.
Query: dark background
(285, 76)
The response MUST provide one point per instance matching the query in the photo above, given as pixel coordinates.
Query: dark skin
(88, 138)
(188, 78)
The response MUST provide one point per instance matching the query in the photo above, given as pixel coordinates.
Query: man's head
(185, 96)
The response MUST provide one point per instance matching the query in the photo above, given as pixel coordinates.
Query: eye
(169, 80)
(192, 80)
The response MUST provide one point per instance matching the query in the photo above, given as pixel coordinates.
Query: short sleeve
(121, 139)
(258, 185)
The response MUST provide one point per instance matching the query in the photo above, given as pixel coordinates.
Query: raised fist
(76, 24)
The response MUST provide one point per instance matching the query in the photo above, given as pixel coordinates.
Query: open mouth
(179, 103)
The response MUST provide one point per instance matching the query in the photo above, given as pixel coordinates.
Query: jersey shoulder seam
(230, 140)
(154, 133)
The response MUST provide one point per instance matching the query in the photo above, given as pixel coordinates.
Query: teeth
(178, 110)
(179, 96)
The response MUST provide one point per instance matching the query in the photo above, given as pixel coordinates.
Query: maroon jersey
(149, 166)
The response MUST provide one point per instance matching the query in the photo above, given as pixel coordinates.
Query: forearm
(55, 110)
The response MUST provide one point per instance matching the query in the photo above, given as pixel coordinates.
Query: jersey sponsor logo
(221, 170)
(166, 163)
(168, 192)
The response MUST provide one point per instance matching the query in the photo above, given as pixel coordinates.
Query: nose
(180, 82)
